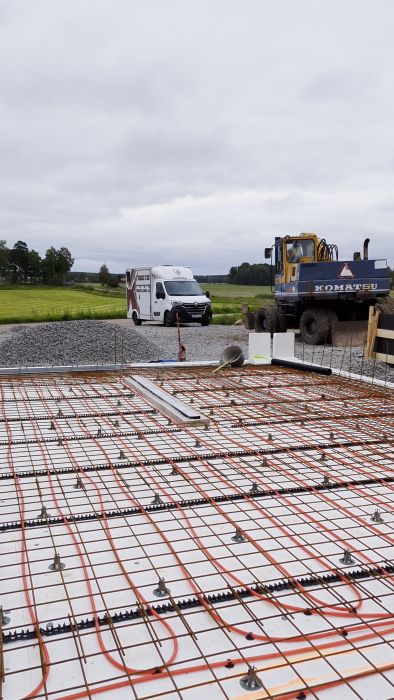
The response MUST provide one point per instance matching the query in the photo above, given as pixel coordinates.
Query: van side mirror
(267, 253)
(208, 294)
(160, 295)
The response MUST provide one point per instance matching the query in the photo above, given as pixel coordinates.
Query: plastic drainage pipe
(301, 366)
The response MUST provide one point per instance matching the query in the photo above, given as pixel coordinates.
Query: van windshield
(183, 288)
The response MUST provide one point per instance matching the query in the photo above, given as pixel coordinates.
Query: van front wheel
(168, 322)
(137, 321)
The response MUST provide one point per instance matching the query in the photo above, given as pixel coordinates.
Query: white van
(160, 293)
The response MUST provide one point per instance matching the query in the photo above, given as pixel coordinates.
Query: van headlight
(176, 303)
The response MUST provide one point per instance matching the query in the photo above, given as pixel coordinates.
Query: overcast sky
(194, 131)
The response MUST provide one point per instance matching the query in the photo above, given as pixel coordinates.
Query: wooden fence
(380, 338)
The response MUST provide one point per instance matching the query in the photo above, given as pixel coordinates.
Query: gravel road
(97, 342)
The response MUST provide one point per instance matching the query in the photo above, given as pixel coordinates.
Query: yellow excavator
(317, 293)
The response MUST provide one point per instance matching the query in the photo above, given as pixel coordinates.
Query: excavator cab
(300, 250)
(290, 251)
(297, 250)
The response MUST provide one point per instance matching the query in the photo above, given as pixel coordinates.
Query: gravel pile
(73, 343)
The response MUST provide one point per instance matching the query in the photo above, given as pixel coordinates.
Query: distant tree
(19, 260)
(49, 266)
(243, 274)
(64, 263)
(35, 266)
(56, 264)
(260, 274)
(232, 272)
(104, 275)
(4, 259)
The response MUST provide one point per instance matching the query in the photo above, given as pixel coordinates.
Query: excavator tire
(266, 320)
(282, 322)
(315, 326)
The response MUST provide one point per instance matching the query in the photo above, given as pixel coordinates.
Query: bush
(84, 287)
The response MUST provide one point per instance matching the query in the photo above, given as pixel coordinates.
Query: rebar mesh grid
(141, 558)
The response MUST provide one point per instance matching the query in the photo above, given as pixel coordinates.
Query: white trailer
(162, 292)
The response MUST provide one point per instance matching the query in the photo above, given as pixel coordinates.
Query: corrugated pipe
(301, 366)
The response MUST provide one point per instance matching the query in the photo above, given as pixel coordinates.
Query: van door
(159, 302)
(144, 294)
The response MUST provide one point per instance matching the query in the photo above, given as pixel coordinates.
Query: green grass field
(230, 291)
(30, 304)
(227, 300)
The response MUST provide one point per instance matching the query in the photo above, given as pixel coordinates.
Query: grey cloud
(138, 131)
(340, 85)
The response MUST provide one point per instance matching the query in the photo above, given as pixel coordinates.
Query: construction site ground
(247, 554)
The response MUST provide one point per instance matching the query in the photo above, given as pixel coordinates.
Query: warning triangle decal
(345, 271)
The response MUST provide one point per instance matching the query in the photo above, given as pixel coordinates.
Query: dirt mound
(386, 305)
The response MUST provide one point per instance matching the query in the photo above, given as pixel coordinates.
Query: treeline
(20, 265)
(246, 273)
(83, 277)
(257, 273)
(210, 279)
